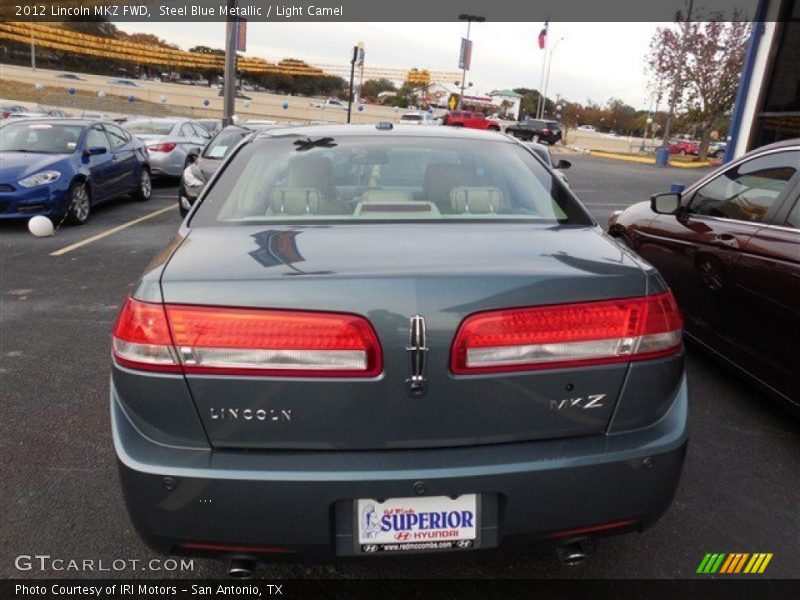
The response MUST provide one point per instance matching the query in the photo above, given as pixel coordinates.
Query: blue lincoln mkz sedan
(63, 167)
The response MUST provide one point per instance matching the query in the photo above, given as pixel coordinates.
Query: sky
(594, 61)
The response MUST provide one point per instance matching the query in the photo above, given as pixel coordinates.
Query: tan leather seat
(441, 179)
(476, 200)
(295, 201)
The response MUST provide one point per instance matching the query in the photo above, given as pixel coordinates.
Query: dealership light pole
(33, 50)
(466, 52)
(229, 76)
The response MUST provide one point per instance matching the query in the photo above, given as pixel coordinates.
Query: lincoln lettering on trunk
(251, 414)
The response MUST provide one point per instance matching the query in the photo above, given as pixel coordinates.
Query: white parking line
(111, 231)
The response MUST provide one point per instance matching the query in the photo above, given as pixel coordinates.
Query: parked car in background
(63, 168)
(418, 117)
(543, 152)
(123, 83)
(481, 356)
(8, 110)
(729, 247)
(237, 93)
(173, 143)
(71, 76)
(207, 162)
(684, 147)
(330, 103)
(212, 126)
(58, 113)
(590, 128)
(717, 149)
(470, 119)
(536, 130)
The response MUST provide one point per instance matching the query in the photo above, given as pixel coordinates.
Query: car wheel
(535, 138)
(145, 188)
(80, 204)
(494, 129)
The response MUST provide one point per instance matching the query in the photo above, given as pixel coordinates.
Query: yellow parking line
(111, 231)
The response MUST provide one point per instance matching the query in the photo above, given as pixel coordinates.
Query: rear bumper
(302, 501)
(170, 164)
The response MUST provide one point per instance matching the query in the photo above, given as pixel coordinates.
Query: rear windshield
(44, 138)
(223, 143)
(153, 127)
(295, 178)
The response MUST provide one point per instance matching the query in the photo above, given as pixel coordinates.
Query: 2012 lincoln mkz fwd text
(375, 340)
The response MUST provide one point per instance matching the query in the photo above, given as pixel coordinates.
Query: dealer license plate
(417, 524)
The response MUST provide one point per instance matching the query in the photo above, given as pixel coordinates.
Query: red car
(684, 147)
(471, 120)
(729, 247)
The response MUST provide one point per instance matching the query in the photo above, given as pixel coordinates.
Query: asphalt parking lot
(739, 492)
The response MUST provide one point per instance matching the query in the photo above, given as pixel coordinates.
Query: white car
(330, 103)
(587, 128)
(418, 117)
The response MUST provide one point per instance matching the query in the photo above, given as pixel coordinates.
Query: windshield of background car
(295, 178)
(223, 143)
(45, 138)
(150, 127)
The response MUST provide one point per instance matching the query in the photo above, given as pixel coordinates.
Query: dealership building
(767, 106)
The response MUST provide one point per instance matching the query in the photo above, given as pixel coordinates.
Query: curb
(647, 161)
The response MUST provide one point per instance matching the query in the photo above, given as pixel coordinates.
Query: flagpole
(541, 85)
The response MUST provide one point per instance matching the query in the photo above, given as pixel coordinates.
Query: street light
(464, 64)
(547, 78)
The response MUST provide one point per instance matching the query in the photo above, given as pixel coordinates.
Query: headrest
(295, 201)
(476, 200)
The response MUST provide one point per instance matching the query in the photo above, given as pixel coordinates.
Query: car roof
(160, 119)
(65, 121)
(373, 130)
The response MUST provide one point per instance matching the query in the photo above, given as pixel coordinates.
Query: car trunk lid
(390, 274)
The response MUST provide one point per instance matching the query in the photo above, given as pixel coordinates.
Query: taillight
(566, 335)
(164, 147)
(546, 131)
(141, 338)
(249, 341)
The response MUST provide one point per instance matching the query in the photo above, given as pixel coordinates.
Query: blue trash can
(662, 157)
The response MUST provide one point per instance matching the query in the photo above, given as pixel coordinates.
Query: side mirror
(96, 151)
(665, 204)
(563, 164)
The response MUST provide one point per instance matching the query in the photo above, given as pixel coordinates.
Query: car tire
(144, 190)
(80, 204)
(494, 128)
(535, 137)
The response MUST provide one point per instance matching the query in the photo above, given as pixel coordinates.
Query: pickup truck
(471, 120)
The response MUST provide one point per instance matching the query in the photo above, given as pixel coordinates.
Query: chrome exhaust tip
(241, 568)
(572, 555)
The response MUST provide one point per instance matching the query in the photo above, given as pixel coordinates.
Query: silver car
(172, 143)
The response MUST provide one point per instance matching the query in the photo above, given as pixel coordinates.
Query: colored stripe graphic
(734, 563)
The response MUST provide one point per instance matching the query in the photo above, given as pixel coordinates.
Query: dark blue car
(63, 167)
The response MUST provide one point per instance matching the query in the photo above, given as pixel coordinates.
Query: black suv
(536, 130)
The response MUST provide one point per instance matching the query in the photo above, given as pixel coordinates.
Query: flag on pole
(543, 36)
